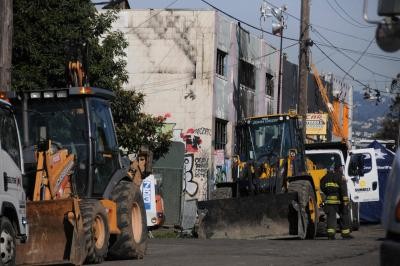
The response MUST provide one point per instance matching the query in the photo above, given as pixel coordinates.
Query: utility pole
(6, 20)
(304, 60)
(304, 56)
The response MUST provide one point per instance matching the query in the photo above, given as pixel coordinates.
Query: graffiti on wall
(191, 140)
(202, 131)
(189, 186)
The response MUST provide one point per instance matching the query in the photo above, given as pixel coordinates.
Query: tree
(48, 34)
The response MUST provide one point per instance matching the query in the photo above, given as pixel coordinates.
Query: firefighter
(334, 186)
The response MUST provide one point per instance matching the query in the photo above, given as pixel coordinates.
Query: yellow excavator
(84, 200)
(273, 195)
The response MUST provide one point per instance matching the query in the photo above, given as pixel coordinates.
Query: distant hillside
(367, 114)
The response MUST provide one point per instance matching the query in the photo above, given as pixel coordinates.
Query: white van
(360, 170)
(13, 224)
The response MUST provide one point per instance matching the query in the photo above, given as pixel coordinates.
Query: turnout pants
(343, 211)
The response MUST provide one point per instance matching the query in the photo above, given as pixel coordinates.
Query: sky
(334, 23)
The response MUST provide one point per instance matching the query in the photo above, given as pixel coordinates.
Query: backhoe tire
(131, 216)
(95, 226)
(308, 207)
(7, 242)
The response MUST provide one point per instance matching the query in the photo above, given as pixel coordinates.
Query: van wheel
(7, 242)
(308, 207)
(95, 226)
(131, 216)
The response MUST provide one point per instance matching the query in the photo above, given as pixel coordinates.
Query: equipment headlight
(61, 94)
(35, 95)
(48, 94)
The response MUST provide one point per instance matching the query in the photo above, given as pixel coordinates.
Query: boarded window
(220, 134)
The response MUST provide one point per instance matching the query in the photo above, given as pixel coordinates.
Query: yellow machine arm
(327, 103)
(53, 176)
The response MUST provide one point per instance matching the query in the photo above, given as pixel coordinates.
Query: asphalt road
(362, 250)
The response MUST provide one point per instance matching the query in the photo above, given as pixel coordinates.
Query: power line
(322, 27)
(314, 30)
(177, 80)
(378, 56)
(344, 71)
(340, 15)
(350, 17)
(246, 23)
(373, 55)
(358, 60)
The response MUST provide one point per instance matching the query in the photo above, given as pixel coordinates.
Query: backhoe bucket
(260, 216)
(55, 234)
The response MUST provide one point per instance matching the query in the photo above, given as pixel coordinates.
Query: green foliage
(390, 125)
(49, 33)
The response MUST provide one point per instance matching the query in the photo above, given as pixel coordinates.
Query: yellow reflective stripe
(332, 201)
(345, 198)
(345, 231)
(332, 197)
(331, 230)
(331, 184)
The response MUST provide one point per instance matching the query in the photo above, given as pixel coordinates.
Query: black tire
(308, 207)
(355, 215)
(131, 216)
(95, 226)
(7, 242)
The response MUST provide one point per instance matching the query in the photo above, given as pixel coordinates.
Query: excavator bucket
(55, 234)
(260, 216)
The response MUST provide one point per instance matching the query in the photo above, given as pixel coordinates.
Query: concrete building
(202, 72)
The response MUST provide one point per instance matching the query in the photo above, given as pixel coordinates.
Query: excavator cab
(83, 204)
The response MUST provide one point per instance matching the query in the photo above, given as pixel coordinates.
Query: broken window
(221, 63)
(269, 84)
(247, 74)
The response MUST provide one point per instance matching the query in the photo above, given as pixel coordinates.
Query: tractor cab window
(266, 138)
(63, 121)
(104, 144)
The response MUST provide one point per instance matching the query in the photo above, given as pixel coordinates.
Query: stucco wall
(172, 59)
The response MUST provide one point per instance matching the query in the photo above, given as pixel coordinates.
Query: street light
(277, 29)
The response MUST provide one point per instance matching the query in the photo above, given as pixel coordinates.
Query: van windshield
(324, 160)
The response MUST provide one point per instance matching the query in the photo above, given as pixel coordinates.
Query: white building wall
(172, 59)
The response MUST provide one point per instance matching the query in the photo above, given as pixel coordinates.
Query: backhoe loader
(84, 200)
(273, 195)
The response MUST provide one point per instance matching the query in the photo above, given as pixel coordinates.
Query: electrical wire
(177, 80)
(373, 55)
(344, 71)
(246, 23)
(347, 56)
(340, 15)
(350, 17)
(322, 27)
(359, 58)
